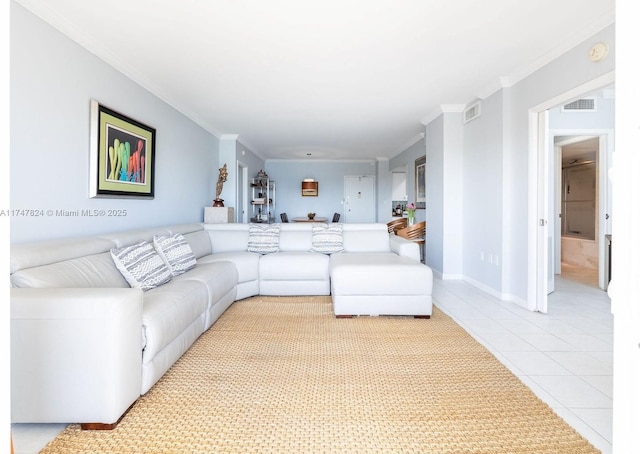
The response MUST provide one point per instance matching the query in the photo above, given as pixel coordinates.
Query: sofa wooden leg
(104, 426)
(344, 316)
(422, 316)
(98, 426)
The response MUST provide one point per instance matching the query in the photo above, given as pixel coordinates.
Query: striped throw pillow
(141, 265)
(327, 239)
(264, 238)
(175, 252)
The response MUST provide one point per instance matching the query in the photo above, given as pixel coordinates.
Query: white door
(359, 198)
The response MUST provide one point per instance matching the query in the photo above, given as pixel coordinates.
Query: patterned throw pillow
(327, 239)
(175, 252)
(264, 238)
(141, 265)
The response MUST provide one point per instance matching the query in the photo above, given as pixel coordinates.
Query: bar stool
(393, 226)
(416, 233)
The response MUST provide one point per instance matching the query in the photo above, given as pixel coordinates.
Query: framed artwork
(310, 189)
(122, 155)
(420, 187)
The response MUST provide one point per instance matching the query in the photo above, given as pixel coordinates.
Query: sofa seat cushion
(219, 277)
(247, 263)
(95, 271)
(170, 309)
(379, 274)
(295, 265)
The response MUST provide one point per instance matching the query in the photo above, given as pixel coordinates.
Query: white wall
(482, 193)
(52, 82)
(562, 75)
(435, 184)
(289, 174)
(453, 197)
(496, 172)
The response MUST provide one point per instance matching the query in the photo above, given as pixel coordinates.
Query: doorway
(242, 195)
(576, 228)
(359, 199)
(541, 189)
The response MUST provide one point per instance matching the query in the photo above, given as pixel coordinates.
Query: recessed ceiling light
(308, 154)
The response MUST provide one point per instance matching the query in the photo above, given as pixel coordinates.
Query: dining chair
(336, 217)
(393, 226)
(283, 217)
(416, 233)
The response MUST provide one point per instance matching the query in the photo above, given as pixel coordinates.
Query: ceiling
(328, 79)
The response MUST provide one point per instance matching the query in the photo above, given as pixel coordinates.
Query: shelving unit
(263, 200)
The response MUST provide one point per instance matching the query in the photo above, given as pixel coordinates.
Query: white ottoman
(380, 284)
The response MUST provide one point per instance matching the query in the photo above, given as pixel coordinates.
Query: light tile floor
(564, 356)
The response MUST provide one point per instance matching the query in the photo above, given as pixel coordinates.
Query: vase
(218, 202)
(411, 218)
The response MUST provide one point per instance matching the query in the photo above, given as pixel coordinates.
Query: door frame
(538, 248)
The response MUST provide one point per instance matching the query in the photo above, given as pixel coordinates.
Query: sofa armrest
(404, 247)
(76, 354)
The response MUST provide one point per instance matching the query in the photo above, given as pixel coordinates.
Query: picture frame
(310, 189)
(420, 182)
(122, 157)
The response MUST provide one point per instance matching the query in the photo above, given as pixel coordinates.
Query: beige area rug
(283, 375)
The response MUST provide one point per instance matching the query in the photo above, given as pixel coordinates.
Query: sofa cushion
(366, 237)
(175, 252)
(246, 263)
(295, 236)
(228, 237)
(294, 265)
(168, 311)
(327, 239)
(379, 274)
(141, 265)
(91, 271)
(264, 238)
(200, 243)
(219, 277)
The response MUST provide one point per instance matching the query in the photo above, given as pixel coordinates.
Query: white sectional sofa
(85, 344)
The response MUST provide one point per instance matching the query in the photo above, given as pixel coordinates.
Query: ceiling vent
(472, 112)
(581, 105)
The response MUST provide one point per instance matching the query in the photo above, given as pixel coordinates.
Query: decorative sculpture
(222, 177)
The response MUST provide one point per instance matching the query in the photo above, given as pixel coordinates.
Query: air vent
(581, 105)
(472, 112)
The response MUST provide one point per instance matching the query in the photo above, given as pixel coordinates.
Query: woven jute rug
(283, 375)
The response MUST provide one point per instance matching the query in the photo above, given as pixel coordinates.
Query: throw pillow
(175, 252)
(327, 239)
(141, 265)
(264, 238)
